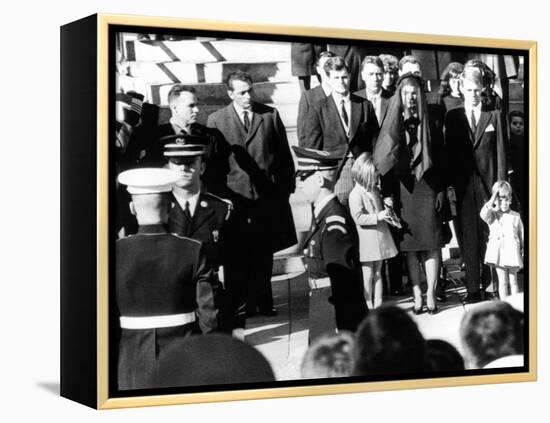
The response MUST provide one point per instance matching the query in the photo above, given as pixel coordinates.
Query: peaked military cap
(148, 180)
(311, 159)
(183, 145)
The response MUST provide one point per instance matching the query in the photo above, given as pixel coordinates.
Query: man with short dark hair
(342, 123)
(261, 173)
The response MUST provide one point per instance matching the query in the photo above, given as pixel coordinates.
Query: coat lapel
(255, 124)
(330, 105)
(484, 119)
(177, 218)
(356, 112)
(234, 125)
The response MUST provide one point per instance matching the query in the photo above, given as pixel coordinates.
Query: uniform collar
(322, 204)
(152, 229)
(192, 201)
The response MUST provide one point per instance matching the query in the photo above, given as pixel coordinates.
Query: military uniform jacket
(331, 250)
(210, 224)
(159, 274)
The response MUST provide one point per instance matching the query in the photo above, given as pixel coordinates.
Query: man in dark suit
(320, 92)
(184, 108)
(202, 216)
(476, 143)
(372, 72)
(164, 287)
(343, 123)
(330, 250)
(261, 173)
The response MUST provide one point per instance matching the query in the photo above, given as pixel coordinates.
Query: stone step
(205, 50)
(215, 72)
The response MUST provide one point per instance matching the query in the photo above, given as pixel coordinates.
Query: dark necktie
(246, 121)
(187, 223)
(344, 113)
(473, 122)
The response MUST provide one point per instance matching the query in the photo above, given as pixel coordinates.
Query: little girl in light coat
(505, 244)
(375, 240)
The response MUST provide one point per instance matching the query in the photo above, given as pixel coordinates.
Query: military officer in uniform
(330, 250)
(164, 288)
(202, 216)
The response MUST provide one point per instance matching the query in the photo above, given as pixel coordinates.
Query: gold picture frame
(92, 388)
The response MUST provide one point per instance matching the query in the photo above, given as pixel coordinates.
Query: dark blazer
(325, 131)
(307, 98)
(208, 225)
(213, 224)
(384, 102)
(261, 169)
(482, 153)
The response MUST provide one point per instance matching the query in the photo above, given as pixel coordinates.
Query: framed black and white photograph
(265, 211)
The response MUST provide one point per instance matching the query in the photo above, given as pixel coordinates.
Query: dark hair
(516, 113)
(453, 70)
(408, 59)
(389, 60)
(322, 55)
(237, 76)
(389, 342)
(490, 331)
(335, 63)
(443, 357)
(176, 91)
(375, 60)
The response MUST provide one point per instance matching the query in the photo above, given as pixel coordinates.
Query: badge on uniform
(216, 235)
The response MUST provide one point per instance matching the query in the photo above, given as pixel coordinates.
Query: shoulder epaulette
(229, 203)
(184, 237)
(336, 218)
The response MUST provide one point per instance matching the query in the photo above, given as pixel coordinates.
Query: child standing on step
(505, 244)
(375, 240)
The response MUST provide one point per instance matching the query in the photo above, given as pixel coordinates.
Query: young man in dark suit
(372, 72)
(476, 143)
(320, 92)
(261, 173)
(343, 123)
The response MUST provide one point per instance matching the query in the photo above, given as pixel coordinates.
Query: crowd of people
(201, 209)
